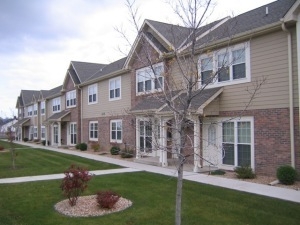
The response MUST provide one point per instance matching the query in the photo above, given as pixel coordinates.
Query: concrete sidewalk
(260, 189)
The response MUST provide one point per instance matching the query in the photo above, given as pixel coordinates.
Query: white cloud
(39, 38)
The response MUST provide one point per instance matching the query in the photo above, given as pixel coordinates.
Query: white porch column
(59, 133)
(163, 143)
(52, 134)
(197, 140)
(46, 134)
(137, 138)
(21, 133)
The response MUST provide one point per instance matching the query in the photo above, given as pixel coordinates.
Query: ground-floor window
(145, 128)
(73, 133)
(35, 132)
(93, 130)
(43, 132)
(237, 143)
(55, 134)
(116, 131)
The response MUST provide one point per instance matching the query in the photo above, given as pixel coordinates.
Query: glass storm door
(73, 133)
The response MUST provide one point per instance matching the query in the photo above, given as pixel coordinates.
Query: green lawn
(153, 199)
(31, 162)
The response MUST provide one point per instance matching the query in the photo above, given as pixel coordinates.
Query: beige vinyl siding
(268, 59)
(295, 68)
(104, 107)
(48, 103)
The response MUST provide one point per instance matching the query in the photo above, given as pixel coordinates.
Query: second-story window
(71, 99)
(115, 88)
(56, 105)
(149, 79)
(29, 111)
(43, 108)
(35, 107)
(226, 66)
(92, 94)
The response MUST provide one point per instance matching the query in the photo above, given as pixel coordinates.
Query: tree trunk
(179, 191)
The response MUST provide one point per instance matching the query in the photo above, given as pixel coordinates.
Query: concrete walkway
(260, 189)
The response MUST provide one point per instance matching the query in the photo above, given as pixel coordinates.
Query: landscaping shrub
(115, 150)
(74, 183)
(286, 174)
(25, 139)
(1, 148)
(44, 142)
(217, 172)
(244, 172)
(107, 199)
(127, 154)
(81, 146)
(95, 146)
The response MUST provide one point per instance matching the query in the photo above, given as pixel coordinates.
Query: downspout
(291, 96)
(81, 125)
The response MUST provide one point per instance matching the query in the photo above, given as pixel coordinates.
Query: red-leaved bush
(74, 183)
(107, 199)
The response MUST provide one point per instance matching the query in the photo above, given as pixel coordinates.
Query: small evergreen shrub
(115, 150)
(1, 148)
(81, 146)
(74, 183)
(107, 199)
(44, 142)
(25, 139)
(286, 174)
(95, 146)
(217, 172)
(244, 172)
(127, 154)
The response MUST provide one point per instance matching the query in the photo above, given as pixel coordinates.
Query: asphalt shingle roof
(53, 92)
(85, 70)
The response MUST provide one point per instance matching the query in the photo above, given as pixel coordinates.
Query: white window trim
(43, 106)
(58, 103)
(113, 80)
(110, 131)
(152, 79)
(241, 119)
(71, 95)
(35, 109)
(231, 81)
(29, 111)
(35, 132)
(43, 128)
(92, 86)
(93, 139)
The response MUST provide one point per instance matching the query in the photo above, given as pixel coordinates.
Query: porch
(172, 163)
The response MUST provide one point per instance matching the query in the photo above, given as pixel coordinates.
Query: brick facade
(271, 138)
(128, 131)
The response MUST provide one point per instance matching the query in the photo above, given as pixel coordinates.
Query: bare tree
(178, 97)
(11, 137)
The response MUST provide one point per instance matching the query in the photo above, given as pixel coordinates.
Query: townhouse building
(248, 114)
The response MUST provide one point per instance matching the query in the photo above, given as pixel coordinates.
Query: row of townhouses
(113, 103)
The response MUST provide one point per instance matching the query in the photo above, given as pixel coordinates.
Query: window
(43, 132)
(29, 111)
(43, 108)
(206, 70)
(71, 98)
(149, 80)
(56, 105)
(115, 88)
(226, 66)
(31, 133)
(35, 106)
(93, 131)
(145, 129)
(35, 132)
(116, 131)
(92, 94)
(237, 142)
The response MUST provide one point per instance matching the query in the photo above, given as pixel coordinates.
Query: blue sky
(39, 38)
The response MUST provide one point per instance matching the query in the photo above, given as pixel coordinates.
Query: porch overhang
(22, 122)
(63, 116)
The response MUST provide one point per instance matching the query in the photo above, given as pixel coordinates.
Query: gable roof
(55, 92)
(249, 21)
(114, 67)
(84, 70)
(27, 96)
